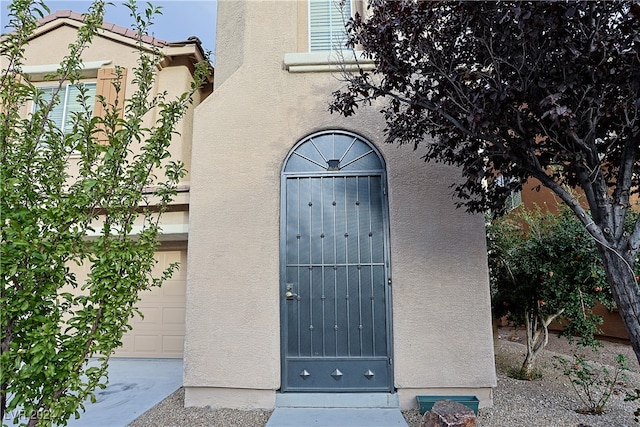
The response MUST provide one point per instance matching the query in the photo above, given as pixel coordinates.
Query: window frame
(334, 4)
(302, 60)
(65, 87)
(515, 197)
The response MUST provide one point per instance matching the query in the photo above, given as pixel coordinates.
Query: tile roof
(126, 32)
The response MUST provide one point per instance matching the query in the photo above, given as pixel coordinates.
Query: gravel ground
(546, 402)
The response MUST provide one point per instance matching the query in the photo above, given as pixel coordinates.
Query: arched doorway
(335, 271)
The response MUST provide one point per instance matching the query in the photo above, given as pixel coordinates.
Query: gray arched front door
(335, 277)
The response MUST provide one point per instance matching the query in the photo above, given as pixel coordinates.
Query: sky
(180, 19)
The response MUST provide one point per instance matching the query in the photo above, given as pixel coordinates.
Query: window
(62, 113)
(514, 199)
(327, 19)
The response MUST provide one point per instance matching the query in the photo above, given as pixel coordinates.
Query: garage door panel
(153, 293)
(161, 332)
(152, 316)
(170, 289)
(173, 316)
(146, 343)
(165, 258)
(127, 342)
(174, 289)
(173, 344)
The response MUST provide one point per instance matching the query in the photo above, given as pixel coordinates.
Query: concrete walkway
(135, 386)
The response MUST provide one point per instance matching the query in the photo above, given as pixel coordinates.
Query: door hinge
(390, 361)
(389, 281)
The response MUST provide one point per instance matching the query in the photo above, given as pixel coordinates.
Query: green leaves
(59, 327)
(544, 264)
(630, 397)
(544, 267)
(513, 90)
(593, 385)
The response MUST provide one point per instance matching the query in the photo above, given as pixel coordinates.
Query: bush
(594, 386)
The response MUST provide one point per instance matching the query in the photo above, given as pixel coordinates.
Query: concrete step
(337, 400)
(336, 417)
(337, 410)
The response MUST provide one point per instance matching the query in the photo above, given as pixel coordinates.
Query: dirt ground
(605, 355)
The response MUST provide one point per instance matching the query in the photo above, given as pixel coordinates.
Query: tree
(545, 267)
(51, 322)
(515, 90)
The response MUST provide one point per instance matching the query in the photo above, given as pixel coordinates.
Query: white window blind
(327, 19)
(62, 113)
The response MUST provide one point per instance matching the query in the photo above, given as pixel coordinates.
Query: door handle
(290, 295)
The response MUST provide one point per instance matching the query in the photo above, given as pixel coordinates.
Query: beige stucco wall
(39, 50)
(242, 134)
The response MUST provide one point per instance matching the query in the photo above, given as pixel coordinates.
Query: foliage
(52, 321)
(513, 90)
(543, 267)
(630, 397)
(594, 386)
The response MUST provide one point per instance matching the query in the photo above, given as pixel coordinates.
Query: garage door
(161, 332)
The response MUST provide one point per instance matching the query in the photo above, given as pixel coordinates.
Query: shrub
(594, 386)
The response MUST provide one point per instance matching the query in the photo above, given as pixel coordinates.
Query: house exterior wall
(442, 333)
(174, 78)
(542, 197)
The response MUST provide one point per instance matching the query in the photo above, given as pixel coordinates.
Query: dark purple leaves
(522, 88)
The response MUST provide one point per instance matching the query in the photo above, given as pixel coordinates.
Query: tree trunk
(529, 365)
(531, 327)
(33, 421)
(626, 294)
(537, 329)
(3, 400)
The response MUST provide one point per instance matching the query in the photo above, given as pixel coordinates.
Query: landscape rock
(447, 413)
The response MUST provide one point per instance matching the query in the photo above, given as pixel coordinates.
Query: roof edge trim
(40, 72)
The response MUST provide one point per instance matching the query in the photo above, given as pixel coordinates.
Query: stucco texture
(442, 334)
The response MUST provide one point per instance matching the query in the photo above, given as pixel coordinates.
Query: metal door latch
(290, 295)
